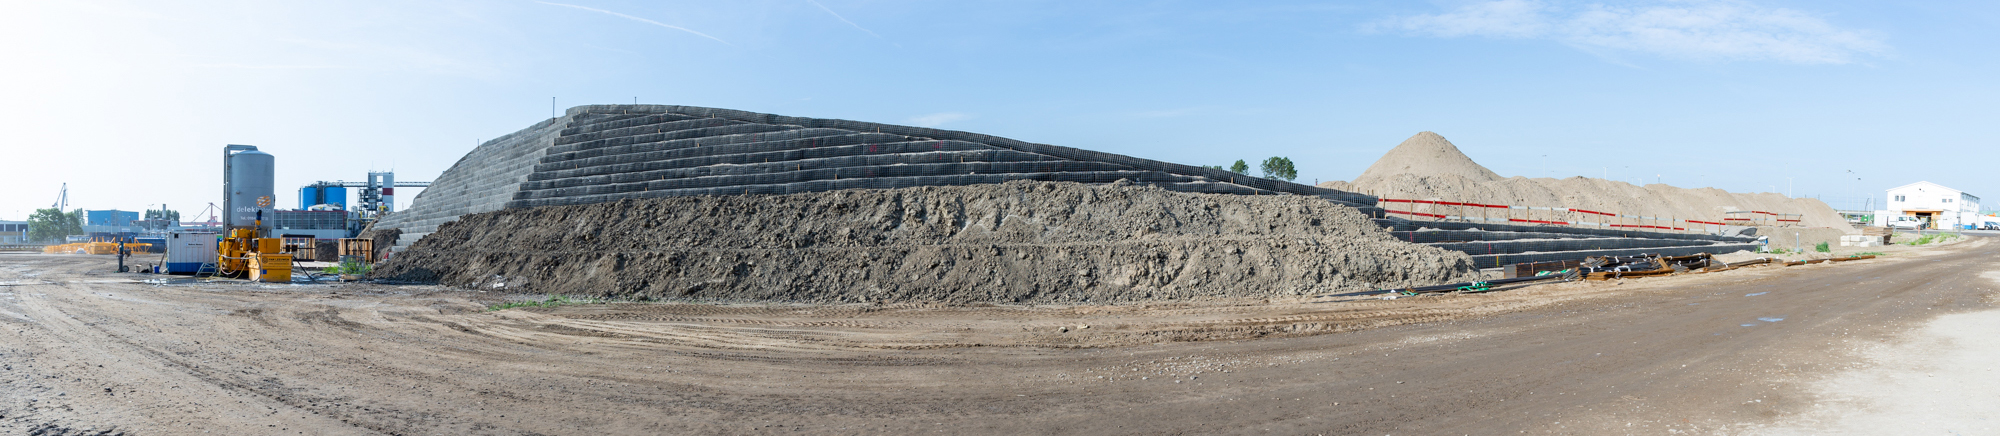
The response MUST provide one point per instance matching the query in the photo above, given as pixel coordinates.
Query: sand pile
(1012, 242)
(1427, 154)
(1428, 167)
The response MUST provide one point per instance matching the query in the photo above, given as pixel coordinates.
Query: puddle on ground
(1750, 325)
(1770, 319)
(1756, 294)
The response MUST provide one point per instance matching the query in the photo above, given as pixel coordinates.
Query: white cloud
(937, 119)
(642, 20)
(842, 19)
(1684, 29)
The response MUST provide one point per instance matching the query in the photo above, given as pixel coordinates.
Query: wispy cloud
(1686, 29)
(1166, 113)
(937, 119)
(642, 20)
(842, 19)
(241, 66)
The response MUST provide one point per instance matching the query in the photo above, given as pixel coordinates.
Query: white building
(1941, 206)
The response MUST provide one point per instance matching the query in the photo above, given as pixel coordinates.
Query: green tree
(1239, 167)
(1279, 168)
(52, 225)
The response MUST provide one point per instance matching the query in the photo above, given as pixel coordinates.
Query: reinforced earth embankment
(1019, 241)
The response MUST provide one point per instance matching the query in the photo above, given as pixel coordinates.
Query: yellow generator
(243, 254)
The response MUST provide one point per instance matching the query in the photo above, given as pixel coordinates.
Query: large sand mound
(1012, 242)
(1428, 167)
(1425, 153)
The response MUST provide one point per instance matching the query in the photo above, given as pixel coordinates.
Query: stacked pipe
(1483, 286)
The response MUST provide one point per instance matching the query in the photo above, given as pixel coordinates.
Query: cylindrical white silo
(249, 181)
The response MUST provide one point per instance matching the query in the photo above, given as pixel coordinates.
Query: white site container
(186, 251)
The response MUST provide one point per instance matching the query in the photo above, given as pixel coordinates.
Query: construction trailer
(187, 251)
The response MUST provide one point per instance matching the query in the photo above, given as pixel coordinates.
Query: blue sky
(129, 102)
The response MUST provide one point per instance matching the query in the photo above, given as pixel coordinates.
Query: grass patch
(357, 268)
(1871, 253)
(1934, 238)
(1823, 248)
(550, 301)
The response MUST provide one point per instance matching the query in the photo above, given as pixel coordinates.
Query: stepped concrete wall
(482, 181)
(603, 153)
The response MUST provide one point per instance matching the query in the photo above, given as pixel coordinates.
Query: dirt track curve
(86, 351)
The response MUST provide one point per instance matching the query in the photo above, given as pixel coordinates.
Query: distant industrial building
(13, 232)
(109, 218)
(320, 224)
(1936, 204)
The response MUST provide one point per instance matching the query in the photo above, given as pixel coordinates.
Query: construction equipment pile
(1617, 267)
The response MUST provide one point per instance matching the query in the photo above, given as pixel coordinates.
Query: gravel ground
(1759, 349)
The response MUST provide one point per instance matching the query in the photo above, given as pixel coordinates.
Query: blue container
(334, 195)
(308, 196)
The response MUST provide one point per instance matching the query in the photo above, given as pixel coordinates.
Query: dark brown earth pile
(326, 251)
(1011, 242)
(381, 239)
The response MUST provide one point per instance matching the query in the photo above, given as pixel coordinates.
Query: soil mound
(1426, 167)
(1012, 242)
(1425, 153)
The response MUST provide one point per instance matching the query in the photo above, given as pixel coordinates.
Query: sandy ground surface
(1937, 379)
(1807, 349)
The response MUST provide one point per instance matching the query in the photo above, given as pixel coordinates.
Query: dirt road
(86, 351)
